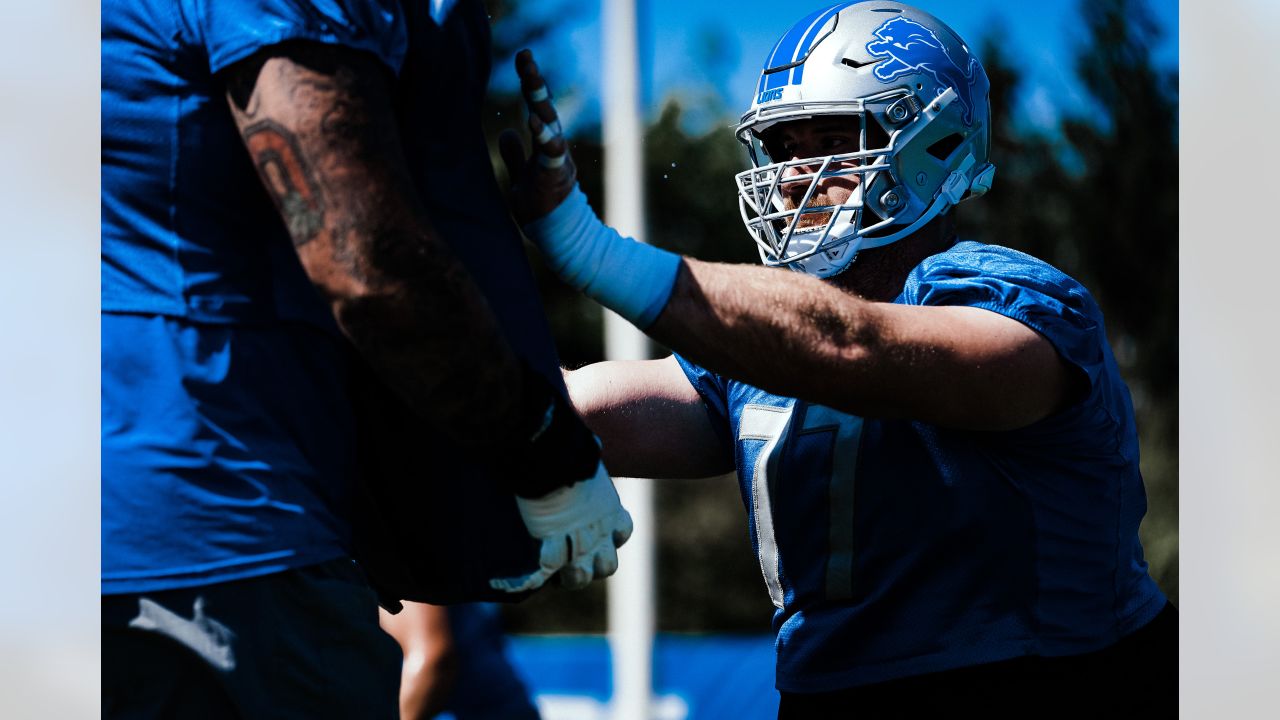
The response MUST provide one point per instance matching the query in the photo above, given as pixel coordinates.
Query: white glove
(581, 528)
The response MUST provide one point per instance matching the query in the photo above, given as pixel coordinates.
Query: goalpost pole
(631, 603)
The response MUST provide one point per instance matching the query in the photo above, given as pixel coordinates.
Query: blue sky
(698, 51)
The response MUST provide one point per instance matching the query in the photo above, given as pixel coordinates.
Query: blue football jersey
(894, 548)
(228, 443)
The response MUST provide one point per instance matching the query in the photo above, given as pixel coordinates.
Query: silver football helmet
(917, 99)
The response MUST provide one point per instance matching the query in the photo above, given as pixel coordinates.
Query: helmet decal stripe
(784, 53)
(797, 74)
(767, 64)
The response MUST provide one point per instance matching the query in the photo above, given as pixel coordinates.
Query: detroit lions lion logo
(912, 47)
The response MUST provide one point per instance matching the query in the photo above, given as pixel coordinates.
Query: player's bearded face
(816, 138)
(830, 191)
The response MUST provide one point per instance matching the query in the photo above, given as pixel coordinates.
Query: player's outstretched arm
(650, 420)
(797, 336)
(784, 332)
(317, 121)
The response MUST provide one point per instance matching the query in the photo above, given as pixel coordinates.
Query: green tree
(1100, 202)
(1125, 204)
(1125, 209)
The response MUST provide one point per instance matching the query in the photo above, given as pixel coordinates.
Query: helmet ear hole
(942, 149)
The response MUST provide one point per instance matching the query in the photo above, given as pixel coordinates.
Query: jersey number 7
(774, 425)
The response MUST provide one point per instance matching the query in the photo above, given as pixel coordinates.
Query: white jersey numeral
(770, 424)
(767, 423)
(844, 467)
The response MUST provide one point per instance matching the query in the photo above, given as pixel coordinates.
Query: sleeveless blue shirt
(894, 548)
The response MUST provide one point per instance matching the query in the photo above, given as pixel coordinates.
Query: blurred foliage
(1100, 201)
(1097, 198)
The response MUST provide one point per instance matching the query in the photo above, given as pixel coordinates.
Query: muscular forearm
(320, 131)
(797, 336)
(784, 332)
(435, 342)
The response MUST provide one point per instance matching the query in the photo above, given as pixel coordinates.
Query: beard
(822, 197)
(808, 220)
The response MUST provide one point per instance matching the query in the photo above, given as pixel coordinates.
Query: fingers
(548, 142)
(544, 124)
(601, 539)
(556, 553)
(622, 528)
(579, 527)
(532, 581)
(598, 564)
(606, 561)
(552, 557)
(575, 576)
(536, 94)
(587, 567)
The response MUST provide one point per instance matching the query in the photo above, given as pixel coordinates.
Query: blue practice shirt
(227, 446)
(894, 548)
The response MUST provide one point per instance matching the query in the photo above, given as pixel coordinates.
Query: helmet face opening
(798, 209)
(917, 100)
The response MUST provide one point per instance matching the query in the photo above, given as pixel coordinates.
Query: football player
(934, 446)
(280, 190)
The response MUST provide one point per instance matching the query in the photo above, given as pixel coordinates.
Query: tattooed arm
(318, 124)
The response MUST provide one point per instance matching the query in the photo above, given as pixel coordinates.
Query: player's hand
(542, 179)
(581, 528)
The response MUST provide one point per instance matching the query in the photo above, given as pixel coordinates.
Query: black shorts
(1136, 677)
(303, 643)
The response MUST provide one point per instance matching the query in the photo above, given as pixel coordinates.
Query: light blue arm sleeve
(629, 277)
